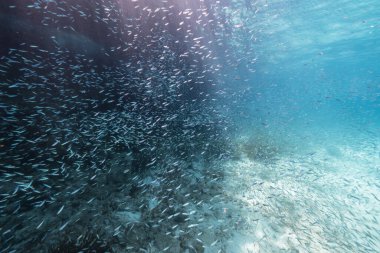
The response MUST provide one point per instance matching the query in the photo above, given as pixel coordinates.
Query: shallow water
(318, 100)
(190, 126)
(323, 200)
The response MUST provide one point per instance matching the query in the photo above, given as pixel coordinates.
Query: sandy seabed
(326, 199)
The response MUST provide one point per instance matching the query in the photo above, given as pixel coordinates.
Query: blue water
(190, 126)
(315, 99)
(319, 61)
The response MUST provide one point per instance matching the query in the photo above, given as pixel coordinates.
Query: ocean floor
(323, 199)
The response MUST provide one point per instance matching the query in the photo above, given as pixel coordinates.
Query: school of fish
(105, 104)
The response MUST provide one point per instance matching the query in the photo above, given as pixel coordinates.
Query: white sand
(326, 200)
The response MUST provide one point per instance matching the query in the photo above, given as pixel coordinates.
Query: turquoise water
(315, 101)
(320, 61)
(205, 126)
